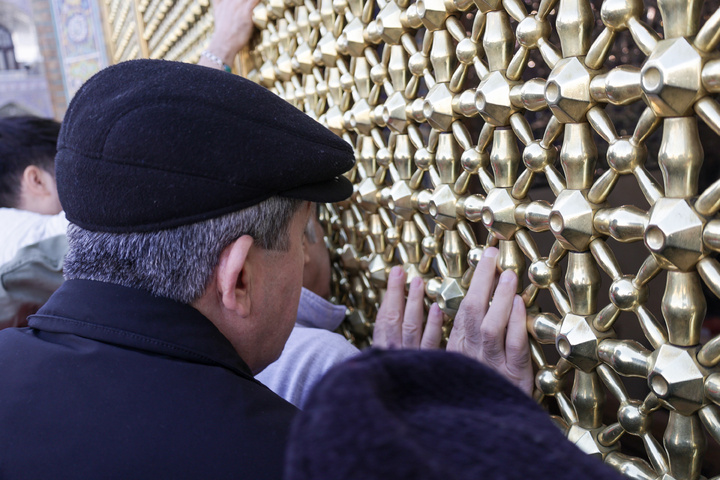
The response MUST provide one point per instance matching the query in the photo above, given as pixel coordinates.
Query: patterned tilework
(80, 41)
(43, 18)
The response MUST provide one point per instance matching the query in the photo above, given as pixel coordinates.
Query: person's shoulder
(318, 339)
(15, 214)
(22, 227)
(15, 218)
(308, 354)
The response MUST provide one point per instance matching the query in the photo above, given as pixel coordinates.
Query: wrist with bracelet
(216, 60)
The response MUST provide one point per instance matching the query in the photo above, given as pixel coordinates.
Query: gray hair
(176, 263)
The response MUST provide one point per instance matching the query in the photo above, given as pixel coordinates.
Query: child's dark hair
(24, 141)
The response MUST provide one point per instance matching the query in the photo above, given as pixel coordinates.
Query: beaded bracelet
(217, 60)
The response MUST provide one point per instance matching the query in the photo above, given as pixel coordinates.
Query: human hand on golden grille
(400, 324)
(492, 333)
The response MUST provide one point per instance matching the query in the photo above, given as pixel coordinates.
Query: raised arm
(233, 29)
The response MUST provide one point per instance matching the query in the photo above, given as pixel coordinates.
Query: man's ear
(233, 276)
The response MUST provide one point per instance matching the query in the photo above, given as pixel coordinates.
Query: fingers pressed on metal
(496, 320)
(480, 288)
(388, 323)
(432, 336)
(475, 304)
(517, 345)
(502, 301)
(517, 348)
(412, 326)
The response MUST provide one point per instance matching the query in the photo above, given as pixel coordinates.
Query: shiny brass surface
(168, 29)
(437, 99)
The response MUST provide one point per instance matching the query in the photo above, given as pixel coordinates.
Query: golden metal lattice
(436, 97)
(168, 29)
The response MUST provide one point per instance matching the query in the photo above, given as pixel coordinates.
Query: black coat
(112, 382)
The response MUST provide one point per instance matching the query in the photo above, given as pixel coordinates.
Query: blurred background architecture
(48, 48)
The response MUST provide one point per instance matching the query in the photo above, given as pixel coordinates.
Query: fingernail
(490, 252)
(416, 282)
(396, 271)
(507, 276)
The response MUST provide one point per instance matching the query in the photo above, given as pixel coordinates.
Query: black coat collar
(136, 319)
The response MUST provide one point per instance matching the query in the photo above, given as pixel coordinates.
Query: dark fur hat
(428, 415)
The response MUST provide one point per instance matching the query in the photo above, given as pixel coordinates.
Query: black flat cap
(430, 415)
(150, 144)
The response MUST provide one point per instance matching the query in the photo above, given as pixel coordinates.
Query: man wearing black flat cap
(188, 191)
